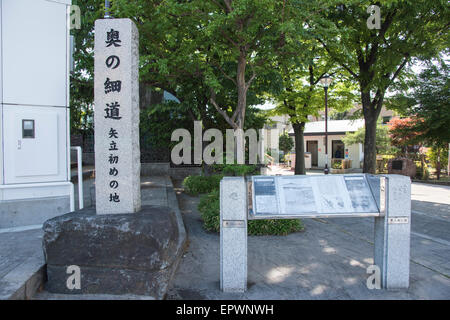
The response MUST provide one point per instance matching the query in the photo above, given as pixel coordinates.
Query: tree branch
(228, 5)
(218, 4)
(229, 39)
(400, 68)
(212, 99)
(224, 74)
(249, 82)
(371, 59)
(342, 64)
(321, 76)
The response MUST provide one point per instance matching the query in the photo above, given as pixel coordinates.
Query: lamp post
(326, 81)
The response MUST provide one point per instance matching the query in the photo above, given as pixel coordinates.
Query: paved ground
(326, 261)
(21, 253)
(21, 258)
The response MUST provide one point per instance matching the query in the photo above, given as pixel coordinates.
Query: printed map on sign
(265, 199)
(360, 194)
(311, 195)
(297, 196)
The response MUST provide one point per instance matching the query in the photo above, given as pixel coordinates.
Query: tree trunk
(371, 114)
(370, 153)
(438, 164)
(242, 91)
(370, 117)
(147, 96)
(299, 128)
(448, 161)
(422, 165)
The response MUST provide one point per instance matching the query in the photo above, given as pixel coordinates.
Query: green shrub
(422, 173)
(195, 185)
(235, 169)
(274, 227)
(432, 156)
(209, 205)
(425, 174)
(209, 208)
(286, 143)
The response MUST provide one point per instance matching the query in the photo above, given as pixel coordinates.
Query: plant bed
(195, 185)
(209, 208)
(340, 171)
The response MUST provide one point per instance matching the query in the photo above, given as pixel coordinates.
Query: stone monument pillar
(118, 247)
(117, 153)
(392, 233)
(233, 234)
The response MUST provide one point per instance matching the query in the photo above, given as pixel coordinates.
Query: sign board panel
(397, 164)
(312, 196)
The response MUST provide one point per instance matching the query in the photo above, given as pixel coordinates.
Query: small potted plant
(336, 167)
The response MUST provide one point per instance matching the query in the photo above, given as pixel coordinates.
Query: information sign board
(311, 196)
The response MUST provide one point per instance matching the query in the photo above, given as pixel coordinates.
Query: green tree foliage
(376, 58)
(157, 123)
(165, 64)
(383, 139)
(218, 54)
(432, 93)
(302, 95)
(82, 77)
(428, 101)
(286, 143)
(438, 154)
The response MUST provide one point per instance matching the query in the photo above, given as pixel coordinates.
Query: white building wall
(353, 150)
(1, 142)
(34, 61)
(354, 155)
(1, 104)
(34, 86)
(42, 159)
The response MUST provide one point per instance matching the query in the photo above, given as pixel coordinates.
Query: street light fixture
(326, 81)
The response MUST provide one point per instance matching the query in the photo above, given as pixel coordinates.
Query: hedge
(209, 208)
(195, 185)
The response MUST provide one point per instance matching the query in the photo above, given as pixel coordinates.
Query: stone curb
(25, 281)
(432, 182)
(172, 202)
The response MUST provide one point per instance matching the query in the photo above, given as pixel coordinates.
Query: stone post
(233, 234)
(117, 153)
(392, 233)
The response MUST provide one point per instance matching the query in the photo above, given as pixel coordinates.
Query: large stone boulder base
(408, 167)
(117, 254)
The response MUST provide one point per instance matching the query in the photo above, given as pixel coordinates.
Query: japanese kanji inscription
(117, 155)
